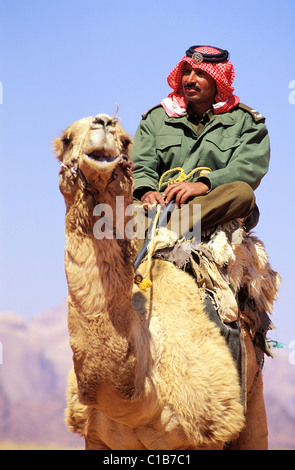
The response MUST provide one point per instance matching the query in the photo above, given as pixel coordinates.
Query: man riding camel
(202, 124)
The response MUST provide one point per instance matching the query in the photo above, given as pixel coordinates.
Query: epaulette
(257, 117)
(154, 107)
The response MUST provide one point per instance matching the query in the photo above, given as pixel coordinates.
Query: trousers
(225, 203)
(221, 205)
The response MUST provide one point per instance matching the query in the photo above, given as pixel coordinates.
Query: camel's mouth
(101, 157)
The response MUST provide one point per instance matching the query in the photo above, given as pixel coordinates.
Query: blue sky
(64, 60)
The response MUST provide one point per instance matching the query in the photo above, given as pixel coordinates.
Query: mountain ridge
(36, 359)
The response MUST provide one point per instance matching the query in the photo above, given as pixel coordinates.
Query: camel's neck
(99, 270)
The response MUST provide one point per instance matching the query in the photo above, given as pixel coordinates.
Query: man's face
(198, 86)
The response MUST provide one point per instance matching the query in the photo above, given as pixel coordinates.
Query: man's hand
(151, 197)
(184, 191)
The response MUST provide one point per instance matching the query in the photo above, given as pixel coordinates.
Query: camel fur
(150, 370)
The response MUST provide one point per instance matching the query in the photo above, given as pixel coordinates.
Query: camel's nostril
(104, 121)
(99, 120)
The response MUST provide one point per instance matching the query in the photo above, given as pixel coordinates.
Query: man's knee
(244, 192)
(240, 196)
(243, 195)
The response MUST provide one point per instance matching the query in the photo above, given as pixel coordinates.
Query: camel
(151, 370)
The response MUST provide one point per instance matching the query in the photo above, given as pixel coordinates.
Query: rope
(183, 177)
(146, 283)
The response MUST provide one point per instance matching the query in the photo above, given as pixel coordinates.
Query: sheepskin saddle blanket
(234, 277)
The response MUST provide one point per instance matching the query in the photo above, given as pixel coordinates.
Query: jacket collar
(217, 120)
(223, 119)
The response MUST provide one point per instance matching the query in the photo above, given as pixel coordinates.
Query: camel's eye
(126, 143)
(66, 141)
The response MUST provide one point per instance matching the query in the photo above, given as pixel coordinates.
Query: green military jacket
(234, 145)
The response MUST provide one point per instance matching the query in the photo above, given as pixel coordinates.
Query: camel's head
(90, 150)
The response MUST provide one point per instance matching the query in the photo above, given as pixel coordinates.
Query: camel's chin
(101, 161)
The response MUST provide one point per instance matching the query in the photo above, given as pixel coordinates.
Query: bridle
(127, 167)
(76, 171)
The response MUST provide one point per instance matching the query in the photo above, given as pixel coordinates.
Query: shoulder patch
(257, 117)
(150, 110)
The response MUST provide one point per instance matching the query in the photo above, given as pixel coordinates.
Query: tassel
(275, 344)
(145, 284)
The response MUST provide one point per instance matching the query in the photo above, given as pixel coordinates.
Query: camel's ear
(58, 148)
(62, 144)
(126, 142)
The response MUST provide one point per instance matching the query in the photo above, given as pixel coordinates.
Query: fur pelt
(229, 259)
(246, 263)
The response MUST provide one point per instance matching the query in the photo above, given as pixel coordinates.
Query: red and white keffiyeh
(223, 73)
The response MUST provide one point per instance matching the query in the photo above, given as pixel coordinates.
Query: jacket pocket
(224, 143)
(163, 142)
(169, 152)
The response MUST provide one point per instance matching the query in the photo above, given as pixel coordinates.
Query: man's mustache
(192, 87)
